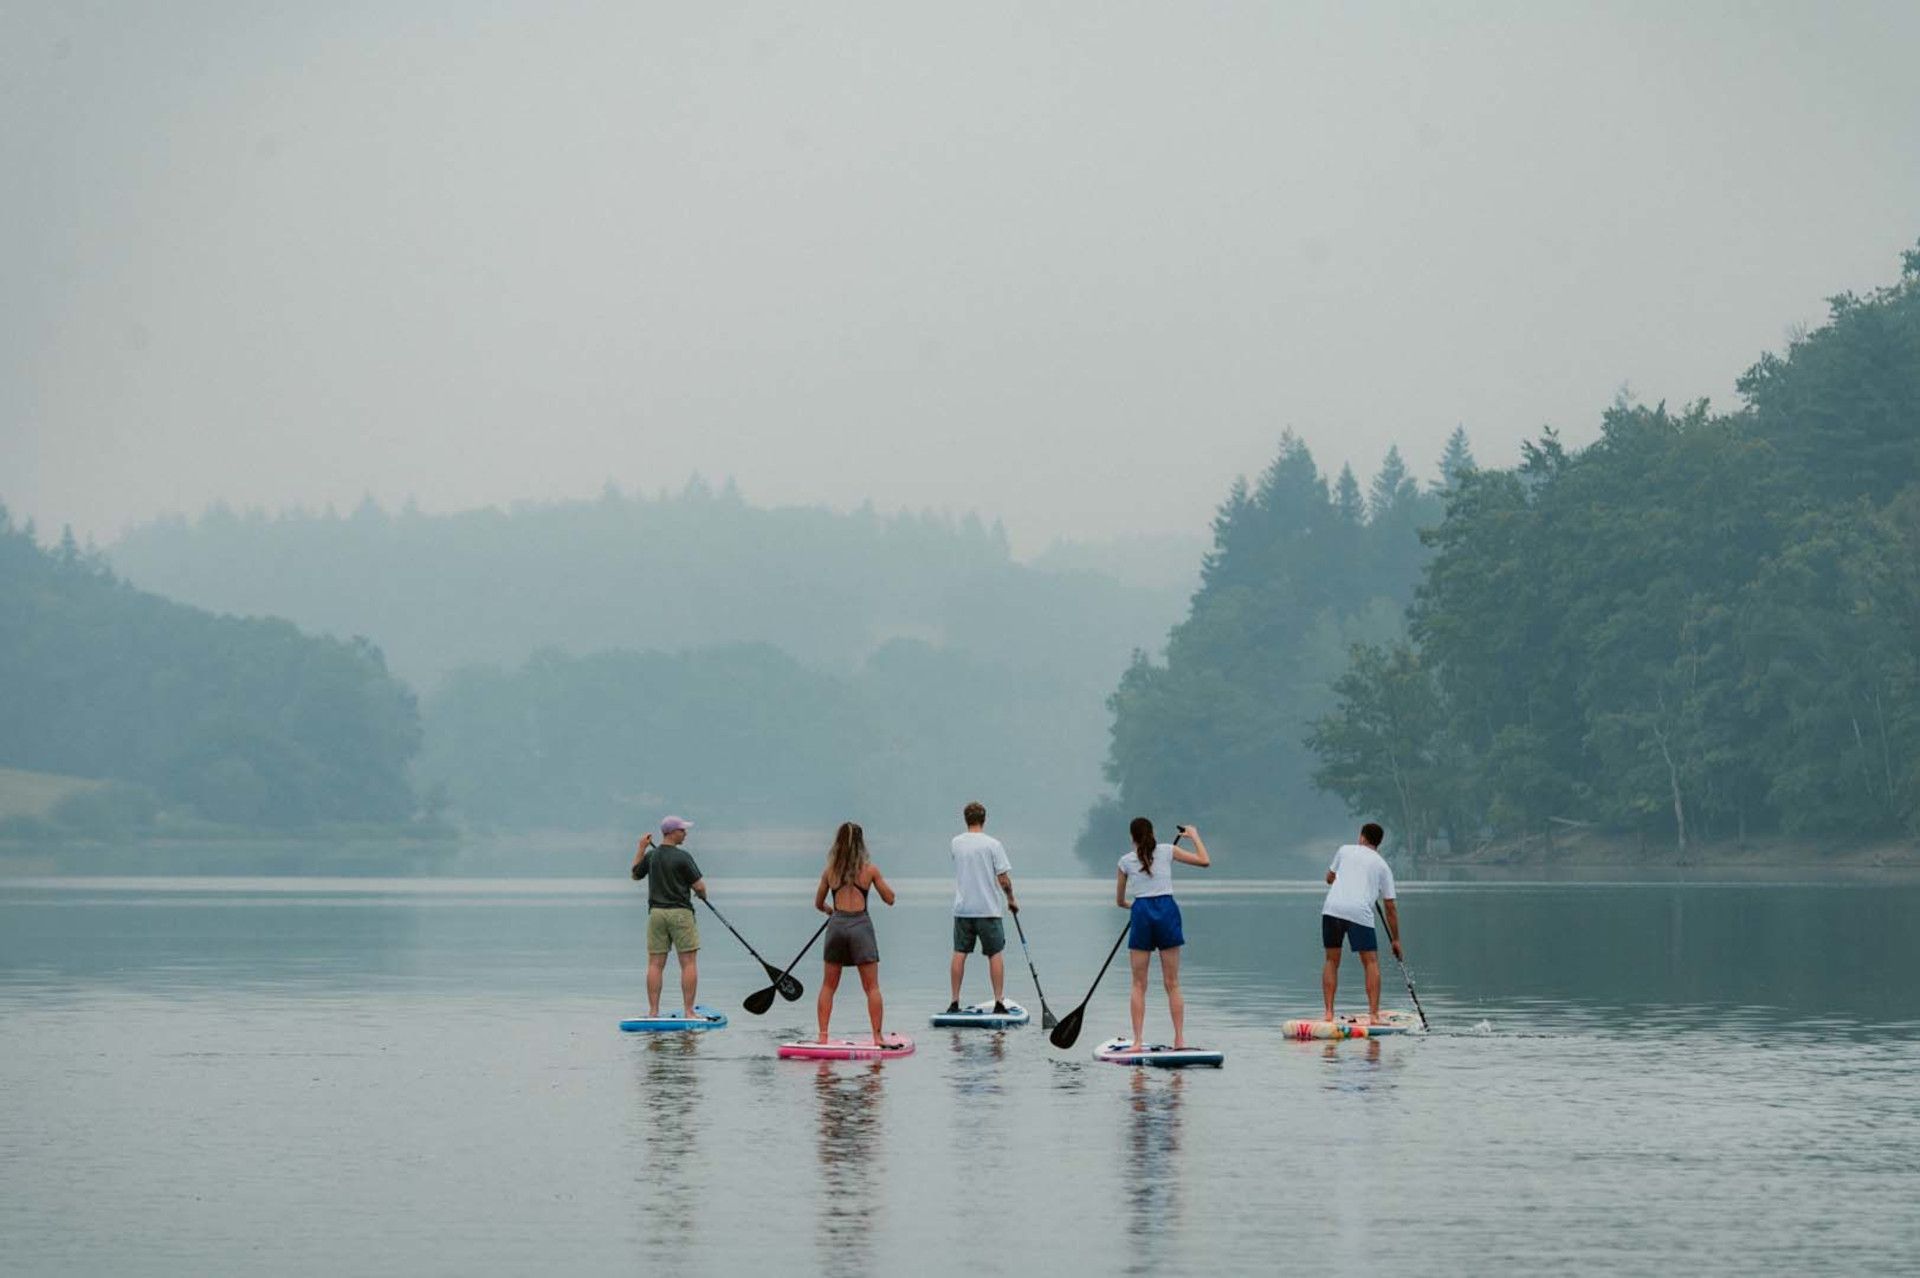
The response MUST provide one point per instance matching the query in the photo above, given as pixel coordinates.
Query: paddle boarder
(673, 880)
(841, 895)
(982, 882)
(1357, 878)
(1148, 872)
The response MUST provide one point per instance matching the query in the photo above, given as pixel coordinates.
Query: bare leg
(997, 969)
(1371, 962)
(876, 1006)
(957, 971)
(1330, 978)
(656, 977)
(829, 982)
(689, 979)
(1176, 1003)
(1137, 1001)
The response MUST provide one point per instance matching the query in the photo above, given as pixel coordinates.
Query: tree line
(242, 721)
(1700, 627)
(1301, 568)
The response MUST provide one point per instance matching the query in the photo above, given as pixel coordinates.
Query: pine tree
(1456, 461)
(1347, 502)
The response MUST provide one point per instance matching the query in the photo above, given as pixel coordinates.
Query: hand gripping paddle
(790, 989)
(760, 1000)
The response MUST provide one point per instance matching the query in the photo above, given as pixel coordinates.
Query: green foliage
(1297, 575)
(1699, 625)
(246, 720)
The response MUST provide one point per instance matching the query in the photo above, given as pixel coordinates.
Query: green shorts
(674, 929)
(992, 934)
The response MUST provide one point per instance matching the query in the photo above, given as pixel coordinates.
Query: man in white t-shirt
(1359, 876)
(982, 880)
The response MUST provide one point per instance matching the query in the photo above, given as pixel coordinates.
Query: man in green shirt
(673, 880)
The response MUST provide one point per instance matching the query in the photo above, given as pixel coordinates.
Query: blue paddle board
(1120, 1051)
(707, 1019)
(982, 1016)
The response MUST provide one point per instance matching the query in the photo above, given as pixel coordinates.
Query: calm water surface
(401, 1076)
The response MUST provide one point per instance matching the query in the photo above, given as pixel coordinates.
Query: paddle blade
(789, 988)
(1047, 1019)
(759, 1001)
(1067, 1032)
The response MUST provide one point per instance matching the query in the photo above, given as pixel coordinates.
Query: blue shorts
(1359, 936)
(1156, 924)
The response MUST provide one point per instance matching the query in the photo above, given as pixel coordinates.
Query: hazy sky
(1072, 265)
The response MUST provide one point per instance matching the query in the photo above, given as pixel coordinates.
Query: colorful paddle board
(841, 1049)
(1352, 1027)
(707, 1019)
(1120, 1052)
(982, 1016)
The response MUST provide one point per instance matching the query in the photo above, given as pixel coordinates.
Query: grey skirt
(850, 939)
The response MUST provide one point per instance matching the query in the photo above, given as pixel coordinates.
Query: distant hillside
(242, 721)
(492, 587)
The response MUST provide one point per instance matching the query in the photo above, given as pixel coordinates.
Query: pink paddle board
(1351, 1027)
(841, 1049)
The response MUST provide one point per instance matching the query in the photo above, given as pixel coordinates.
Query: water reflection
(978, 1058)
(1156, 1197)
(666, 1123)
(851, 1118)
(1354, 1065)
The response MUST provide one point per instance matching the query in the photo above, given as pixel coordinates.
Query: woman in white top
(1148, 869)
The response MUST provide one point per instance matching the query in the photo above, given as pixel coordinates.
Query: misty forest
(1702, 626)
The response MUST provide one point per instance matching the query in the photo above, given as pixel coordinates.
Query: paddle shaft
(1394, 936)
(1069, 1029)
(1045, 1015)
(736, 935)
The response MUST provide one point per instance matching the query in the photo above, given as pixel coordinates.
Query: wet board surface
(708, 1018)
(1351, 1027)
(982, 1016)
(841, 1049)
(1119, 1052)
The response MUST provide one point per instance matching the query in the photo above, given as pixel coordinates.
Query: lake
(415, 1075)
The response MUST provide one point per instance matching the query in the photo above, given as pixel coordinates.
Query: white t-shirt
(1157, 883)
(978, 861)
(1360, 875)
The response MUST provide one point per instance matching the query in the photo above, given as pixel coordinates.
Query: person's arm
(640, 859)
(879, 884)
(1199, 854)
(1120, 888)
(700, 888)
(1006, 885)
(1392, 913)
(820, 894)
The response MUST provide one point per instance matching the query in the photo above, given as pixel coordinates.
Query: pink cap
(673, 823)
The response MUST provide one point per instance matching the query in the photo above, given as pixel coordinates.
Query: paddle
(1405, 975)
(1067, 1032)
(1047, 1019)
(760, 1000)
(790, 989)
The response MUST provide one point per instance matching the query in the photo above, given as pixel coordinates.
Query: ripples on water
(401, 1077)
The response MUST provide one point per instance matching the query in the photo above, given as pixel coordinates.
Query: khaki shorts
(674, 929)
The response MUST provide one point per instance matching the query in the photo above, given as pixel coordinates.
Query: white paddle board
(1343, 1027)
(982, 1016)
(1120, 1052)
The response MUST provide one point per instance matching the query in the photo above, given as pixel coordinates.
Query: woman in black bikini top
(850, 937)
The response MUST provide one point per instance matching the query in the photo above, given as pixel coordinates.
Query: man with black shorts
(982, 879)
(673, 880)
(1358, 877)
